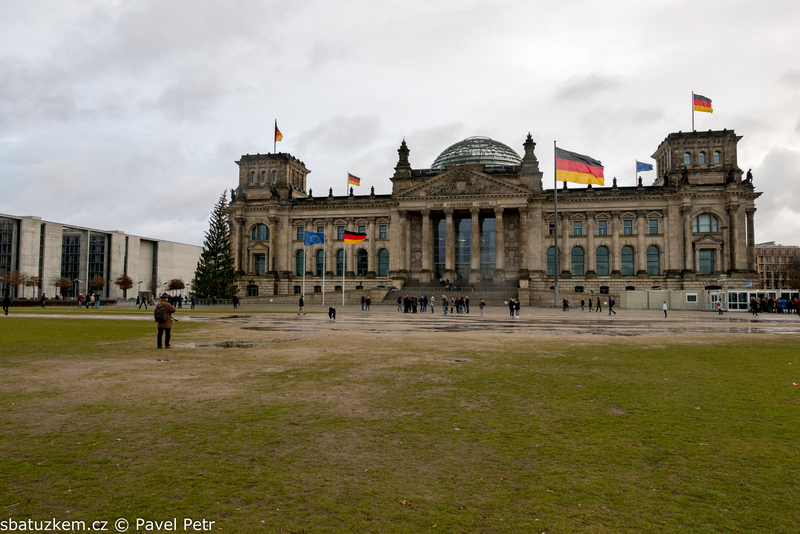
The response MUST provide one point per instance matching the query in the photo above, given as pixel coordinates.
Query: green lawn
(316, 433)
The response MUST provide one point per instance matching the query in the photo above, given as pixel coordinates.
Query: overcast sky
(129, 116)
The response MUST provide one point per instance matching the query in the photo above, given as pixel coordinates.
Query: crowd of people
(774, 305)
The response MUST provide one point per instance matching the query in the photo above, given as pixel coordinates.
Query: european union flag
(313, 238)
(643, 166)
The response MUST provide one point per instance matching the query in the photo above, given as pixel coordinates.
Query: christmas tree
(215, 275)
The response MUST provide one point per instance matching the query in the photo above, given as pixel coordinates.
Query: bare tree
(97, 282)
(124, 282)
(33, 281)
(62, 282)
(176, 284)
(793, 273)
(13, 278)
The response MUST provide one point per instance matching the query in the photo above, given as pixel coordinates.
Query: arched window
(577, 261)
(361, 262)
(717, 157)
(341, 262)
(274, 176)
(627, 256)
(253, 176)
(551, 261)
(260, 232)
(701, 158)
(263, 176)
(300, 262)
(653, 260)
(601, 256)
(320, 262)
(687, 158)
(383, 262)
(705, 223)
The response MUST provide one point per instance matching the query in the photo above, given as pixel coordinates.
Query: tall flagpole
(555, 235)
(692, 110)
(344, 269)
(324, 268)
(275, 138)
(305, 249)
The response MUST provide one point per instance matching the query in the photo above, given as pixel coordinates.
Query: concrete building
(50, 250)
(480, 216)
(774, 263)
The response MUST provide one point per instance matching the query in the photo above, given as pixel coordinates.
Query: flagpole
(692, 110)
(555, 235)
(305, 249)
(344, 269)
(275, 138)
(324, 268)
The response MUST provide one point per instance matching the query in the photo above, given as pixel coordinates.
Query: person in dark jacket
(165, 327)
(6, 302)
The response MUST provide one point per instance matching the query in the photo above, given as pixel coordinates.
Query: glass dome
(476, 151)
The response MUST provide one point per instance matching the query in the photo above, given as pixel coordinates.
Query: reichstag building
(480, 216)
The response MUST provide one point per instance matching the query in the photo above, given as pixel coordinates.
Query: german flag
(577, 168)
(351, 238)
(702, 103)
(278, 134)
(353, 180)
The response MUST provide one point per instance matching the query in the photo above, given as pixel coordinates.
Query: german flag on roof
(702, 103)
(351, 238)
(577, 168)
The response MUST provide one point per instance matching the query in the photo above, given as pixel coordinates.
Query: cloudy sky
(130, 115)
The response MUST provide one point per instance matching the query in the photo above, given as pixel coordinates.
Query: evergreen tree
(215, 273)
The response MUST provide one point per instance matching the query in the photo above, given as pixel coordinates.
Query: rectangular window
(340, 232)
(627, 227)
(321, 230)
(382, 230)
(551, 228)
(706, 261)
(362, 229)
(252, 291)
(691, 297)
(260, 263)
(653, 226)
(577, 228)
(301, 233)
(602, 227)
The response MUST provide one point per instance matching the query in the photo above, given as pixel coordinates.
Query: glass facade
(97, 254)
(601, 261)
(362, 262)
(463, 232)
(628, 266)
(488, 248)
(439, 232)
(383, 262)
(6, 245)
(70, 260)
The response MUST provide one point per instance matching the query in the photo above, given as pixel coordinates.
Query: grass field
(336, 430)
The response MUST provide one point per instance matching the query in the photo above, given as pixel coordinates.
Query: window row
(701, 158)
(260, 232)
(603, 261)
(602, 227)
(362, 262)
(254, 177)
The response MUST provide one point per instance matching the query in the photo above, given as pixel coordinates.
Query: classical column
(475, 246)
(350, 254)
(407, 232)
(330, 257)
(427, 250)
(591, 259)
(500, 246)
(566, 255)
(241, 252)
(271, 261)
(750, 239)
(449, 242)
(523, 241)
(688, 256)
(536, 239)
(640, 243)
(371, 259)
(615, 252)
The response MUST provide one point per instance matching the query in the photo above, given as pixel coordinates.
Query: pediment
(709, 241)
(462, 182)
(258, 247)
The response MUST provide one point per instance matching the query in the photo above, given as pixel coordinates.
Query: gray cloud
(582, 88)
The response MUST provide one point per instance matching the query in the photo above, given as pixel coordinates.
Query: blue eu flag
(643, 166)
(313, 238)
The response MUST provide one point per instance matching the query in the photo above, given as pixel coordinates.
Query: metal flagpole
(555, 235)
(275, 138)
(692, 110)
(324, 268)
(344, 269)
(305, 249)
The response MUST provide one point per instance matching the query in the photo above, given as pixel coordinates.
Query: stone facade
(494, 224)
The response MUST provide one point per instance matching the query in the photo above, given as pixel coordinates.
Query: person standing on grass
(165, 326)
(664, 307)
(6, 302)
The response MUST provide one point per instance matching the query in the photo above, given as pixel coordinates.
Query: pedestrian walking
(598, 308)
(43, 299)
(163, 314)
(611, 303)
(664, 307)
(302, 304)
(6, 302)
(331, 313)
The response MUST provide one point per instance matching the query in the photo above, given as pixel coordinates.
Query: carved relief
(511, 238)
(462, 182)
(416, 242)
